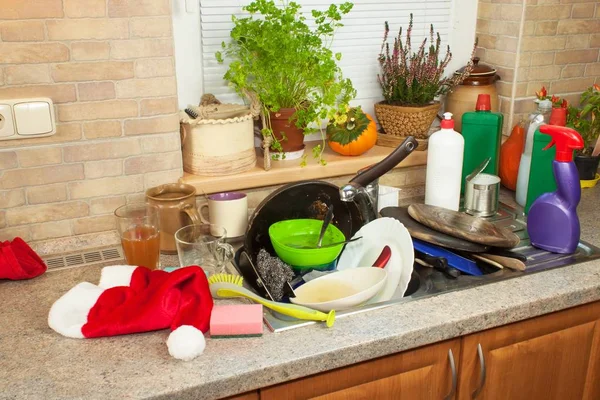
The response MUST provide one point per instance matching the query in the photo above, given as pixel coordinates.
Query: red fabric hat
(132, 299)
(19, 261)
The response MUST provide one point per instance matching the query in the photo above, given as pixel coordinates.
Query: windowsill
(290, 171)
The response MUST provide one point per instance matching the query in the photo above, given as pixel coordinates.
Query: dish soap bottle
(482, 130)
(541, 116)
(444, 166)
(552, 223)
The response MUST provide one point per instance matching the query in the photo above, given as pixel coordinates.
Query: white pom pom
(186, 343)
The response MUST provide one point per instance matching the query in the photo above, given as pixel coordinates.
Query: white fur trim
(116, 275)
(69, 313)
(186, 343)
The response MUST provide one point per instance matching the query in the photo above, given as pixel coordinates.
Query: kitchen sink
(426, 282)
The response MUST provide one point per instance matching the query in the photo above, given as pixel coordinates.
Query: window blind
(359, 40)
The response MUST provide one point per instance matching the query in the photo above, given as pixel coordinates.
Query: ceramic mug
(176, 203)
(229, 210)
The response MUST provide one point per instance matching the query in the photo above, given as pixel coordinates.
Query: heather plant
(410, 78)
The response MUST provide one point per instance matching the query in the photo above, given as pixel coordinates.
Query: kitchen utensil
(383, 258)
(508, 262)
(478, 170)
(276, 274)
(382, 232)
(426, 234)
(203, 245)
(246, 267)
(229, 210)
(341, 290)
(227, 286)
(138, 226)
(286, 235)
(325, 224)
(487, 261)
(437, 263)
(463, 226)
(454, 260)
(297, 246)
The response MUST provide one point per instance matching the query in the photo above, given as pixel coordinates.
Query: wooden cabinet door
(419, 374)
(245, 396)
(544, 358)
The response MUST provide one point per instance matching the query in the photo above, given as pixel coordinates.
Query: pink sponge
(238, 320)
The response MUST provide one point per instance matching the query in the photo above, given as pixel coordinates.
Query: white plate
(375, 235)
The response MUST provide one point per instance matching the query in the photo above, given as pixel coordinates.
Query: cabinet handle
(481, 372)
(454, 377)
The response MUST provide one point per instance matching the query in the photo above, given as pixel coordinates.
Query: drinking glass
(138, 226)
(204, 245)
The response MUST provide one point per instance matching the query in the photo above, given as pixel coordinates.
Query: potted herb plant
(275, 55)
(586, 121)
(411, 82)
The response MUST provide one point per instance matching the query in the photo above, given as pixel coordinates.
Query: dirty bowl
(341, 290)
(287, 238)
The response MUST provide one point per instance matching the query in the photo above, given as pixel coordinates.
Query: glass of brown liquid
(138, 226)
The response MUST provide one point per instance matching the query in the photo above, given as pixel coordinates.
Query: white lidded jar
(444, 166)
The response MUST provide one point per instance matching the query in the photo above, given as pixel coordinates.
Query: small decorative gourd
(352, 133)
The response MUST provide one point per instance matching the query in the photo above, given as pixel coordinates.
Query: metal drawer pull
(454, 376)
(481, 372)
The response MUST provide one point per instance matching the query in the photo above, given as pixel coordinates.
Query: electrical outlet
(7, 123)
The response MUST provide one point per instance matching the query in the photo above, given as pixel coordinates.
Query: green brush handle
(292, 310)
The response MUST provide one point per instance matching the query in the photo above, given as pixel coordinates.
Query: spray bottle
(552, 223)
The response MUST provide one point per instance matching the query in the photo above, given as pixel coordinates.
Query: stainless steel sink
(427, 282)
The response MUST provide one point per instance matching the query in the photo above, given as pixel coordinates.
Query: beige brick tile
(483, 26)
(575, 26)
(26, 9)
(161, 142)
(88, 8)
(24, 232)
(504, 28)
(506, 43)
(542, 58)
(152, 163)
(152, 179)
(576, 56)
(40, 176)
(90, 91)
(150, 27)
(102, 129)
(141, 48)
(130, 8)
(2, 219)
(597, 15)
(508, 1)
(86, 29)
(165, 105)
(99, 223)
(576, 1)
(102, 151)
(108, 70)
(571, 85)
(22, 31)
(541, 43)
(12, 198)
(97, 110)
(548, 72)
(40, 156)
(26, 74)
(136, 198)
(58, 93)
(500, 58)
(1, 76)
(524, 106)
(521, 89)
(547, 12)
(106, 186)
(487, 41)
(104, 168)
(506, 74)
(106, 205)
(64, 133)
(488, 10)
(592, 69)
(583, 10)
(152, 87)
(26, 53)
(46, 212)
(8, 160)
(153, 67)
(51, 230)
(578, 41)
(535, 86)
(525, 59)
(595, 40)
(164, 124)
(573, 71)
(548, 2)
(87, 51)
(504, 88)
(545, 28)
(511, 12)
(47, 194)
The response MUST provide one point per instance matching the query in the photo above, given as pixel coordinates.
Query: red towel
(19, 261)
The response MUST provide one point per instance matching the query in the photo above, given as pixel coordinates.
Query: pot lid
(478, 69)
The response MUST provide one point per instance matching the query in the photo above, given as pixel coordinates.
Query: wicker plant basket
(406, 121)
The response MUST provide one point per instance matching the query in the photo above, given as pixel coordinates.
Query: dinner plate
(375, 235)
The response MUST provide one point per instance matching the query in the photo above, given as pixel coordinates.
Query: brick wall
(108, 65)
(535, 43)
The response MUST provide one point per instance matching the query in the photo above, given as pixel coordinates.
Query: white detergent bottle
(444, 166)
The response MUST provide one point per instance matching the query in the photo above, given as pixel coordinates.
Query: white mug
(228, 210)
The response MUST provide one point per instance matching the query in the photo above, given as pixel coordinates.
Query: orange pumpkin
(352, 134)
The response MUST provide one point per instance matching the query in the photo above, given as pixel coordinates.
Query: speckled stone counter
(37, 363)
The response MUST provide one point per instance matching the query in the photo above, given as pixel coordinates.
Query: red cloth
(19, 261)
(153, 300)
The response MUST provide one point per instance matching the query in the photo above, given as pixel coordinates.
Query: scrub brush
(228, 285)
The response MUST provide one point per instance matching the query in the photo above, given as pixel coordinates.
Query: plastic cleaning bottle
(482, 130)
(444, 166)
(552, 223)
(541, 116)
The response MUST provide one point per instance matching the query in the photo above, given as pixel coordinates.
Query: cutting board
(426, 234)
(463, 226)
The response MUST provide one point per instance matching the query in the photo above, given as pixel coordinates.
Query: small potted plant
(412, 81)
(586, 121)
(290, 67)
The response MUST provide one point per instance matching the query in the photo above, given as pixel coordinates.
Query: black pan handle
(439, 264)
(387, 164)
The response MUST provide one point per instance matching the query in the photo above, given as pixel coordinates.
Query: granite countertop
(37, 363)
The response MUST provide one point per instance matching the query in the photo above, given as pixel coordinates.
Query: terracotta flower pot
(283, 127)
(406, 120)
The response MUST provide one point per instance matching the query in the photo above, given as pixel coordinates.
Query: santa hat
(19, 261)
(132, 299)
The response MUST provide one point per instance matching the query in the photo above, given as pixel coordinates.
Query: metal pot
(481, 195)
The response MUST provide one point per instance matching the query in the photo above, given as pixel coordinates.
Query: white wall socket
(26, 118)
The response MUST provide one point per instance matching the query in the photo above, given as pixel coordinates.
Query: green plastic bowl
(305, 232)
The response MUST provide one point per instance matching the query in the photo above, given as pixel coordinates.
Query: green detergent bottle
(482, 131)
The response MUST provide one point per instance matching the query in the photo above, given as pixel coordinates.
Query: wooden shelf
(290, 171)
